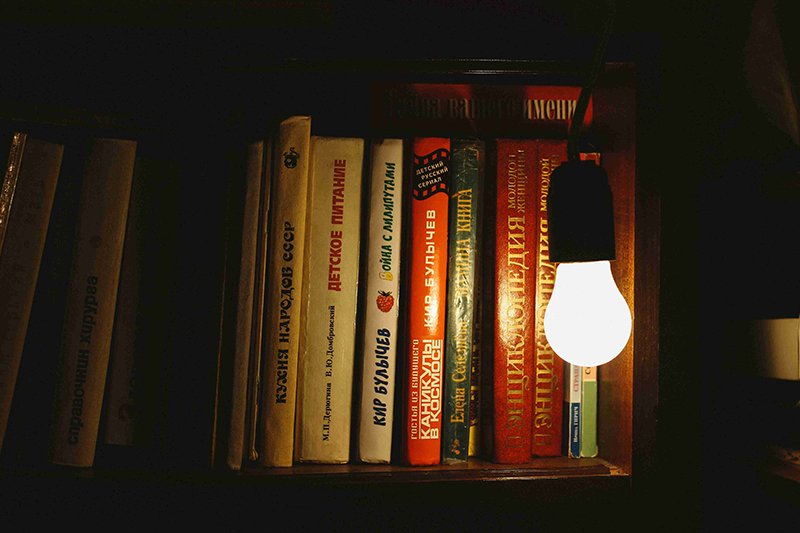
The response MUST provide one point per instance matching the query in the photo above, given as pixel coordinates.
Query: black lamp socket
(580, 210)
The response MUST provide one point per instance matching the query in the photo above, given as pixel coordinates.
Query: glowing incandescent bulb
(587, 321)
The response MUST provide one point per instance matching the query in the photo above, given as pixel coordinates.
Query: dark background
(727, 169)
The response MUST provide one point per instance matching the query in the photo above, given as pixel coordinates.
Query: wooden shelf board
(474, 469)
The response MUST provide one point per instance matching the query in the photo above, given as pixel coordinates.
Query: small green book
(589, 411)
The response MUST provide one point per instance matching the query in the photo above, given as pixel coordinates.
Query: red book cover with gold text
(548, 383)
(515, 285)
(427, 280)
(446, 109)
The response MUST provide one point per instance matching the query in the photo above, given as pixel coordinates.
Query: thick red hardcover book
(515, 284)
(427, 280)
(548, 383)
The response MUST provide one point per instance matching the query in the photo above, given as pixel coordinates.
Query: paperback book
(284, 283)
(572, 410)
(381, 302)
(427, 279)
(253, 181)
(328, 301)
(89, 320)
(26, 199)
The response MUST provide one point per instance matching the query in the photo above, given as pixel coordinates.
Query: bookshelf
(234, 99)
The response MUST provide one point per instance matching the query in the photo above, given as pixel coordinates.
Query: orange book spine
(427, 280)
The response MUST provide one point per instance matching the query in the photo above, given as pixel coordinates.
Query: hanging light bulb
(587, 321)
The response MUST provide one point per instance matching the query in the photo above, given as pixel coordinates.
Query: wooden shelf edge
(474, 469)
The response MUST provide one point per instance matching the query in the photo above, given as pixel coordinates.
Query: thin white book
(572, 409)
(244, 302)
(329, 301)
(379, 343)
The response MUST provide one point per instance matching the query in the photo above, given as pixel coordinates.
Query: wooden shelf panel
(474, 469)
(315, 474)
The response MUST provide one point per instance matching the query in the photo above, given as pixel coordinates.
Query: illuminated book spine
(589, 411)
(427, 278)
(284, 282)
(467, 160)
(329, 300)
(549, 369)
(514, 284)
(89, 317)
(572, 410)
(381, 302)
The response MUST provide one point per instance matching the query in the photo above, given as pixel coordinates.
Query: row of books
(98, 274)
(102, 210)
(427, 311)
(366, 271)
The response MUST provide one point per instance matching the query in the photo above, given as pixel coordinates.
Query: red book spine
(427, 280)
(515, 284)
(548, 404)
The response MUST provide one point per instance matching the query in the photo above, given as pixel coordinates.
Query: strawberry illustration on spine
(385, 301)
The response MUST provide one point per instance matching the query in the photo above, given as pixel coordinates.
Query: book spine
(10, 179)
(380, 332)
(244, 304)
(515, 256)
(89, 319)
(256, 344)
(284, 282)
(572, 406)
(549, 377)
(329, 300)
(589, 412)
(22, 250)
(427, 276)
(475, 390)
(591, 156)
(467, 164)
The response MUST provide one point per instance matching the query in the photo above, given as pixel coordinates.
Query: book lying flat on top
(26, 200)
(89, 318)
(328, 299)
(381, 302)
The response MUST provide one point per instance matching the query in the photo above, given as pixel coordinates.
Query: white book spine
(379, 343)
(329, 301)
(284, 281)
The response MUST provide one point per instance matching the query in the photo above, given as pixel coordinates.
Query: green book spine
(466, 188)
(589, 411)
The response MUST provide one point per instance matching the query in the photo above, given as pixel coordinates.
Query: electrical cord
(573, 148)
